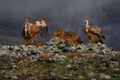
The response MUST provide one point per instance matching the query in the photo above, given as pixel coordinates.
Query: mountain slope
(7, 40)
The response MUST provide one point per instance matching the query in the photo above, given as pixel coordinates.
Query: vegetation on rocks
(59, 62)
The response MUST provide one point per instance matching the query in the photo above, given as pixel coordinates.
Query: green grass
(50, 70)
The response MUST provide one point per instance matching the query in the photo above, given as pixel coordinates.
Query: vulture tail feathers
(103, 36)
(101, 41)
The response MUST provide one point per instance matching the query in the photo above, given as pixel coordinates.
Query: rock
(16, 47)
(81, 77)
(3, 52)
(64, 49)
(53, 41)
(99, 44)
(115, 56)
(114, 64)
(116, 70)
(68, 66)
(91, 74)
(40, 48)
(93, 79)
(59, 57)
(33, 53)
(82, 47)
(81, 57)
(15, 66)
(103, 76)
(72, 49)
(103, 46)
(107, 77)
(5, 47)
(10, 48)
(41, 52)
(104, 68)
(53, 74)
(22, 47)
(14, 77)
(44, 46)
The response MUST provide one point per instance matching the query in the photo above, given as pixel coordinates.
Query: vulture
(94, 33)
(31, 29)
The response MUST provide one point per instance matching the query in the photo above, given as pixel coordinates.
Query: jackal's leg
(59, 40)
(74, 43)
(63, 41)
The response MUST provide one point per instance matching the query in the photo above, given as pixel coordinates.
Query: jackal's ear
(58, 32)
(55, 34)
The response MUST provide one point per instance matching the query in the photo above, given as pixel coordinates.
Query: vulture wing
(95, 29)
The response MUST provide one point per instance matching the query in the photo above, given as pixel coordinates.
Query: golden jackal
(67, 35)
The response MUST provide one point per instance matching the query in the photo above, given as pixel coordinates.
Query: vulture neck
(87, 24)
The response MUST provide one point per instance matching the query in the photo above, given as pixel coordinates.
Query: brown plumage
(67, 35)
(25, 34)
(31, 29)
(94, 33)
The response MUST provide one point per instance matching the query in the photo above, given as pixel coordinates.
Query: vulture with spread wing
(31, 29)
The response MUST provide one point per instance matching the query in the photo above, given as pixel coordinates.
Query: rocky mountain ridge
(62, 61)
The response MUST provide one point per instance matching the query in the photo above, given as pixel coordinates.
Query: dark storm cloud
(66, 10)
(68, 14)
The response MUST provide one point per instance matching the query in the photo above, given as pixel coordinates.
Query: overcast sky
(67, 14)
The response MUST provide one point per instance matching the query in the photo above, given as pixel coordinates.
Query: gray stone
(107, 77)
(53, 40)
(5, 47)
(103, 76)
(53, 74)
(103, 45)
(72, 48)
(59, 57)
(104, 68)
(114, 64)
(68, 66)
(81, 77)
(91, 74)
(116, 69)
(14, 77)
(93, 79)
(16, 47)
(3, 52)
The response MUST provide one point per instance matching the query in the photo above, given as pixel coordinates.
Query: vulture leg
(44, 33)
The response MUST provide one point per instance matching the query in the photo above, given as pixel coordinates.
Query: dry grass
(68, 55)
(35, 43)
(24, 61)
(72, 55)
(46, 56)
